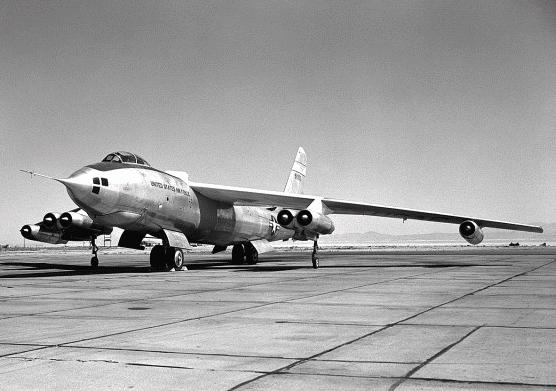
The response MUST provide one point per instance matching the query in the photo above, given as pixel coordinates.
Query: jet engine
(285, 218)
(315, 222)
(50, 220)
(77, 220)
(471, 232)
(34, 232)
(77, 226)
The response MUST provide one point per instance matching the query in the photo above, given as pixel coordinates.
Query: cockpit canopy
(125, 157)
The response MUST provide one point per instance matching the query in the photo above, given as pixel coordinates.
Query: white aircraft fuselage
(144, 199)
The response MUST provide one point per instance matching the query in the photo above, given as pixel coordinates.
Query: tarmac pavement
(458, 319)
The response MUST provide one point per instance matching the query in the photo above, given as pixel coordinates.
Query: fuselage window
(104, 181)
(96, 181)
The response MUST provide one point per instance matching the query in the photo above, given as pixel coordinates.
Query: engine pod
(72, 219)
(315, 222)
(471, 232)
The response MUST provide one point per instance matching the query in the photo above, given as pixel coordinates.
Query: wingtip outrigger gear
(315, 257)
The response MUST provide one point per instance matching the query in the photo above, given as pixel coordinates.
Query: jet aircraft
(125, 191)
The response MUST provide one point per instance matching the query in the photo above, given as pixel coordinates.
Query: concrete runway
(481, 319)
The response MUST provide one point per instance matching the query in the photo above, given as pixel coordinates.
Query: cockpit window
(125, 157)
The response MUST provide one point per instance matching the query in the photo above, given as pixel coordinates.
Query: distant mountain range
(549, 235)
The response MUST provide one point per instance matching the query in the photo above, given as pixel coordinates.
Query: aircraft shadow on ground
(44, 269)
(272, 268)
(60, 269)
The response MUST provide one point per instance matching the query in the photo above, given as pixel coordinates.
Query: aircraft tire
(251, 254)
(157, 257)
(176, 259)
(94, 262)
(238, 254)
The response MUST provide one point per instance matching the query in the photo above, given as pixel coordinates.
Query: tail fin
(297, 174)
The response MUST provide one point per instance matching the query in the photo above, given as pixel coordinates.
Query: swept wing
(245, 196)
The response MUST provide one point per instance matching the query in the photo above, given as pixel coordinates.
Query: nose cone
(80, 188)
(79, 183)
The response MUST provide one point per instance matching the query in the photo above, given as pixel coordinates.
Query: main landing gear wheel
(315, 257)
(176, 262)
(167, 258)
(238, 254)
(251, 253)
(158, 258)
(94, 259)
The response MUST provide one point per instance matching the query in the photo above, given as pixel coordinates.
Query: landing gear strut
(167, 258)
(315, 257)
(94, 259)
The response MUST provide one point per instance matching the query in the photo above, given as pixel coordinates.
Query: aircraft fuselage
(145, 199)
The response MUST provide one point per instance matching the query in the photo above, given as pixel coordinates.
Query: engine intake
(471, 232)
(50, 220)
(29, 231)
(285, 218)
(304, 218)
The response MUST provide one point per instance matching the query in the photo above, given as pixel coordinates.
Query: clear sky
(435, 105)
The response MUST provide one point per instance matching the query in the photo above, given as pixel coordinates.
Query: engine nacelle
(285, 218)
(471, 232)
(77, 220)
(34, 232)
(315, 222)
(50, 220)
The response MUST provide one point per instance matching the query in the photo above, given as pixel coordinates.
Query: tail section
(297, 174)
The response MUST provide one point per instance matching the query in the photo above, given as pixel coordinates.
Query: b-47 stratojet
(125, 191)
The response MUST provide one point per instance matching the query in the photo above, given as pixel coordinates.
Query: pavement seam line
(225, 289)
(432, 358)
(276, 371)
(503, 383)
(213, 315)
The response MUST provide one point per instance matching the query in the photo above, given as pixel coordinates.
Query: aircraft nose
(79, 183)
(81, 188)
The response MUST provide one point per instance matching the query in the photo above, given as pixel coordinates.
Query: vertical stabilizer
(297, 174)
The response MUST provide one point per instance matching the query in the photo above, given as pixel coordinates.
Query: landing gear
(94, 259)
(238, 254)
(177, 259)
(167, 258)
(244, 253)
(157, 257)
(251, 254)
(315, 257)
